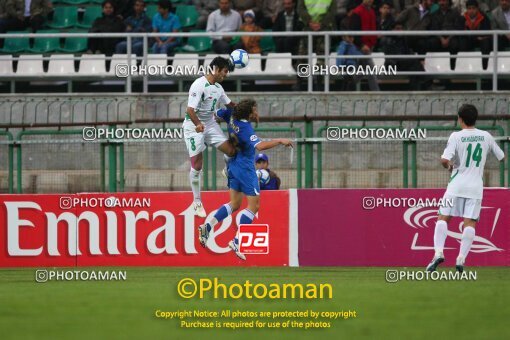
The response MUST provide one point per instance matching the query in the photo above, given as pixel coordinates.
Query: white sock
(468, 235)
(440, 234)
(194, 179)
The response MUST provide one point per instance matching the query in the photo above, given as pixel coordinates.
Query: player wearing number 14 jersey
(200, 126)
(464, 156)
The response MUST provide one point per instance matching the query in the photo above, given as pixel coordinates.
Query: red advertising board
(384, 227)
(130, 229)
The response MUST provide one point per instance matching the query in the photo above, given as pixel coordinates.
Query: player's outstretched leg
(440, 234)
(247, 217)
(468, 235)
(204, 230)
(195, 179)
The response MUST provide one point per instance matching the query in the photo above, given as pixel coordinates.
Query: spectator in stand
(287, 21)
(501, 21)
(354, 46)
(125, 8)
(268, 12)
(165, 21)
(401, 5)
(317, 15)
(398, 45)
(416, 18)
(385, 21)
(22, 14)
(475, 20)
(224, 19)
(243, 5)
(249, 43)
(445, 19)
(138, 23)
(3, 11)
(262, 162)
(367, 22)
(204, 8)
(460, 6)
(109, 22)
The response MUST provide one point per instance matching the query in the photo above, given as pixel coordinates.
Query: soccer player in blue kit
(242, 176)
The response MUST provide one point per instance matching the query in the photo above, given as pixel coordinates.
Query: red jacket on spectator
(368, 23)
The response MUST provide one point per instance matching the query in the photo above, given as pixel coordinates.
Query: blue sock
(246, 217)
(223, 212)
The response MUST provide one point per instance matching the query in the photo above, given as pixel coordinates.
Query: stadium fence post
(205, 168)
(10, 160)
(308, 154)
(129, 61)
(213, 169)
(112, 161)
(405, 169)
(414, 170)
(121, 167)
(102, 167)
(495, 62)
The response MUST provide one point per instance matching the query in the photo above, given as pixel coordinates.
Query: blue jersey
(242, 175)
(244, 139)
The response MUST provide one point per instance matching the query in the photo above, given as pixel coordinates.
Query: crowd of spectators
(289, 15)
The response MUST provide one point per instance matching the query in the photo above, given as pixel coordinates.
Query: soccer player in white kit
(464, 156)
(200, 126)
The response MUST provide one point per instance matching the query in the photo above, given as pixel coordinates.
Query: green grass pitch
(125, 309)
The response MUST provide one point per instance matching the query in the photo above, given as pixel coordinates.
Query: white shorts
(461, 207)
(197, 142)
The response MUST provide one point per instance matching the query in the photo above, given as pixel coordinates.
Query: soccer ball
(239, 58)
(263, 176)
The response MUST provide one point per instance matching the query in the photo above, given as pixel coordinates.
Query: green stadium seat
(187, 14)
(98, 1)
(75, 2)
(75, 45)
(197, 44)
(91, 14)
(45, 45)
(15, 45)
(267, 43)
(151, 10)
(64, 17)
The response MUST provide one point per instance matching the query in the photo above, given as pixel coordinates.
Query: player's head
(468, 114)
(261, 161)
(246, 109)
(220, 68)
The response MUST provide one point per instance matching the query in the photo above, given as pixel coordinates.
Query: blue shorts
(248, 183)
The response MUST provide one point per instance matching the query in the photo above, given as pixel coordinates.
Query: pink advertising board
(388, 227)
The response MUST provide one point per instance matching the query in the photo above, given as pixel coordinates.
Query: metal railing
(307, 36)
(39, 161)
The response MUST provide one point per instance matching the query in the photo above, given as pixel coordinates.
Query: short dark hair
(244, 108)
(165, 4)
(108, 2)
(468, 113)
(473, 3)
(141, 1)
(220, 63)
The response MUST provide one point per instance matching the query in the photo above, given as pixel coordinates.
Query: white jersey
(467, 150)
(204, 98)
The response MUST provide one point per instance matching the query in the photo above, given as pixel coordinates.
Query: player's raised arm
(264, 145)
